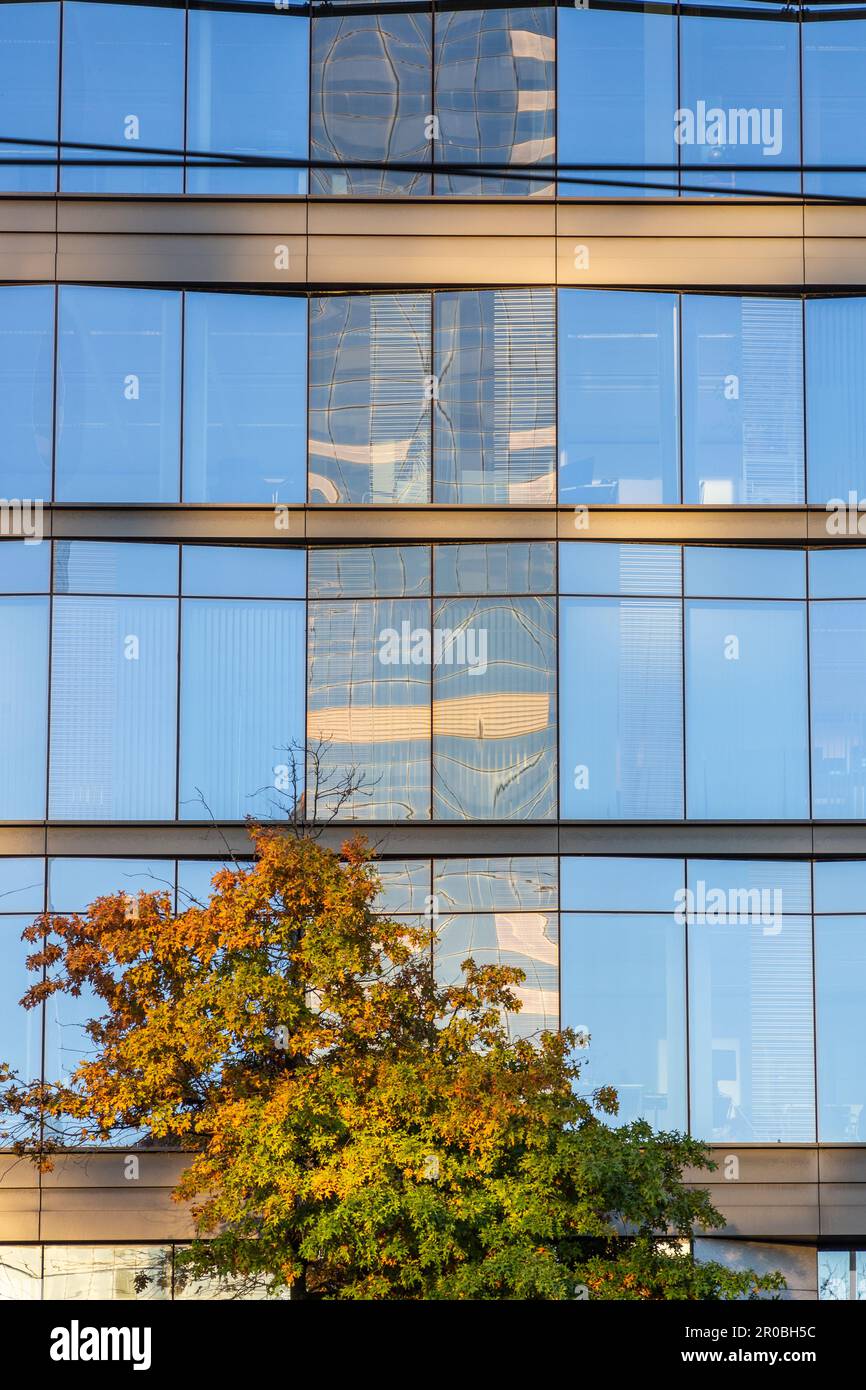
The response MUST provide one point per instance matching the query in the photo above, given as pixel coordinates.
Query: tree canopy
(355, 1129)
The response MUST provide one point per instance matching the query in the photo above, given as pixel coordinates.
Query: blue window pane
(834, 100)
(593, 883)
(248, 95)
(20, 1028)
(617, 94)
(22, 884)
(742, 400)
(839, 573)
(369, 417)
(24, 569)
(118, 426)
(746, 711)
(840, 986)
(835, 396)
(525, 940)
(751, 1044)
(372, 571)
(244, 398)
(404, 885)
(603, 567)
(114, 567)
(26, 385)
(494, 414)
(752, 888)
(123, 79)
(495, 97)
(29, 48)
(195, 880)
(718, 571)
(840, 886)
(739, 102)
(621, 738)
(73, 884)
(242, 706)
(371, 94)
(511, 567)
(113, 709)
(240, 571)
(23, 707)
(368, 709)
(521, 882)
(838, 666)
(494, 709)
(623, 983)
(618, 398)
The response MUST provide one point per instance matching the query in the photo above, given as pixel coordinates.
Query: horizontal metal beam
(437, 522)
(340, 243)
(206, 840)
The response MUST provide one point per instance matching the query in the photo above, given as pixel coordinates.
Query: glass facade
(558, 592)
(512, 681)
(480, 103)
(506, 397)
(690, 981)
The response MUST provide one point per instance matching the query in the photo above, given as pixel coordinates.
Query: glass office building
(475, 399)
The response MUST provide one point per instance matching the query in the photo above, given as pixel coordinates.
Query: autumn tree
(354, 1129)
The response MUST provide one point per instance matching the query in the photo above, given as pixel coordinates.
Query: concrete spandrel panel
(679, 218)
(765, 1209)
(843, 1211)
(107, 1214)
(246, 260)
(27, 256)
(129, 1170)
(678, 261)
(837, 261)
(431, 260)
(182, 216)
(753, 1165)
(433, 217)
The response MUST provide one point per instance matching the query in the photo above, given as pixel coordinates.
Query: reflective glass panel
(244, 396)
(23, 707)
(20, 1028)
(26, 382)
(370, 99)
(494, 418)
(840, 981)
(114, 567)
(369, 416)
(374, 571)
(617, 77)
(746, 711)
(494, 709)
(750, 1028)
(241, 707)
(118, 393)
(837, 658)
(739, 101)
(247, 95)
(623, 983)
(29, 47)
(368, 709)
(618, 397)
(835, 395)
(495, 98)
(834, 99)
(742, 400)
(621, 733)
(113, 709)
(527, 940)
(123, 82)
